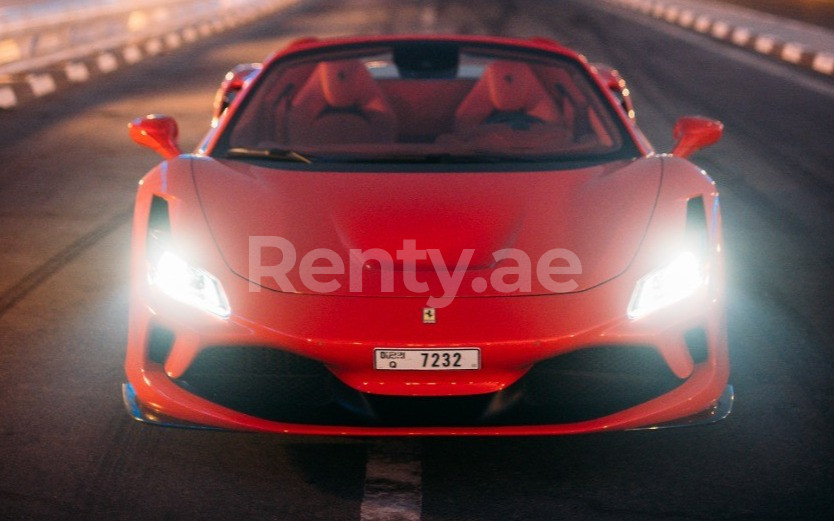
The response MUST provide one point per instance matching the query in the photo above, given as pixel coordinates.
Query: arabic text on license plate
(427, 359)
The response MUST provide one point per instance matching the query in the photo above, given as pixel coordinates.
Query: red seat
(341, 103)
(508, 93)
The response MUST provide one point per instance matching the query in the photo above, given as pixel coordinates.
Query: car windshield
(425, 102)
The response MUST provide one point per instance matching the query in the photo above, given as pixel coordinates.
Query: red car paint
(622, 218)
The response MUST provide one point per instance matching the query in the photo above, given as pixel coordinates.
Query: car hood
(308, 231)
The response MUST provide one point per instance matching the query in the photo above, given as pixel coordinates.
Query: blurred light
(190, 285)
(666, 285)
(9, 51)
(137, 21)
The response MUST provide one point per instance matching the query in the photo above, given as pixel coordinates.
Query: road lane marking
(393, 490)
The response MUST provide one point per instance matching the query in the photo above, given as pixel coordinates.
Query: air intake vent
(696, 225)
(159, 344)
(158, 220)
(696, 342)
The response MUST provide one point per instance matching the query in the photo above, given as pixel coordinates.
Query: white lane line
(392, 482)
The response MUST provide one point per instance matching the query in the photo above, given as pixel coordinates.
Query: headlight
(666, 285)
(185, 283)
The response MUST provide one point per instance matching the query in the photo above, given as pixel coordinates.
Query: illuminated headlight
(185, 283)
(666, 285)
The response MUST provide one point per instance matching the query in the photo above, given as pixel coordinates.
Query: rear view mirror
(692, 133)
(157, 132)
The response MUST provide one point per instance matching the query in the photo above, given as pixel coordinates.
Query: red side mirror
(157, 132)
(692, 133)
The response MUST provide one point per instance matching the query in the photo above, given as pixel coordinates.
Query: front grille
(264, 382)
(277, 385)
(595, 382)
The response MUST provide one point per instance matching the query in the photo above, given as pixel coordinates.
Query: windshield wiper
(268, 153)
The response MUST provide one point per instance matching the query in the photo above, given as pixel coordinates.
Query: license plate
(427, 359)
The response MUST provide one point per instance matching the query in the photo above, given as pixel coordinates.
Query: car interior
(438, 102)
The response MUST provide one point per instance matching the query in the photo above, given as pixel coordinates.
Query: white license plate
(427, 359)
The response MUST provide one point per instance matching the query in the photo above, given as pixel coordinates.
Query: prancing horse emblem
(429, 315)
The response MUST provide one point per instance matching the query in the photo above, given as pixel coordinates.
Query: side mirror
(611, 78)
(232, 83)
(692, 133)
(157, 132)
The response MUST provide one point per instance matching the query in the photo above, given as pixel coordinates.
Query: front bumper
(715, 413)
(515, 335)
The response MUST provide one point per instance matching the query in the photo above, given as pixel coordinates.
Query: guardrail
(44, 49)
(803, 46)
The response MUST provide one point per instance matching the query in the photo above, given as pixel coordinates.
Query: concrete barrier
(788, 41)
(41, 52)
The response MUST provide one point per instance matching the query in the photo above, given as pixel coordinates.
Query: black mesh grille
(277, 385)
(591, 383)
(264, 382)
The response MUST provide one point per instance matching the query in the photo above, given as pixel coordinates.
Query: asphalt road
(67, 177)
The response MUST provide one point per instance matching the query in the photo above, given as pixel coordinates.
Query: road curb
(21, 88)
(794, 53)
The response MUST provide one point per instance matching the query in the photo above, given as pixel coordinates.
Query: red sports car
(426, 235)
